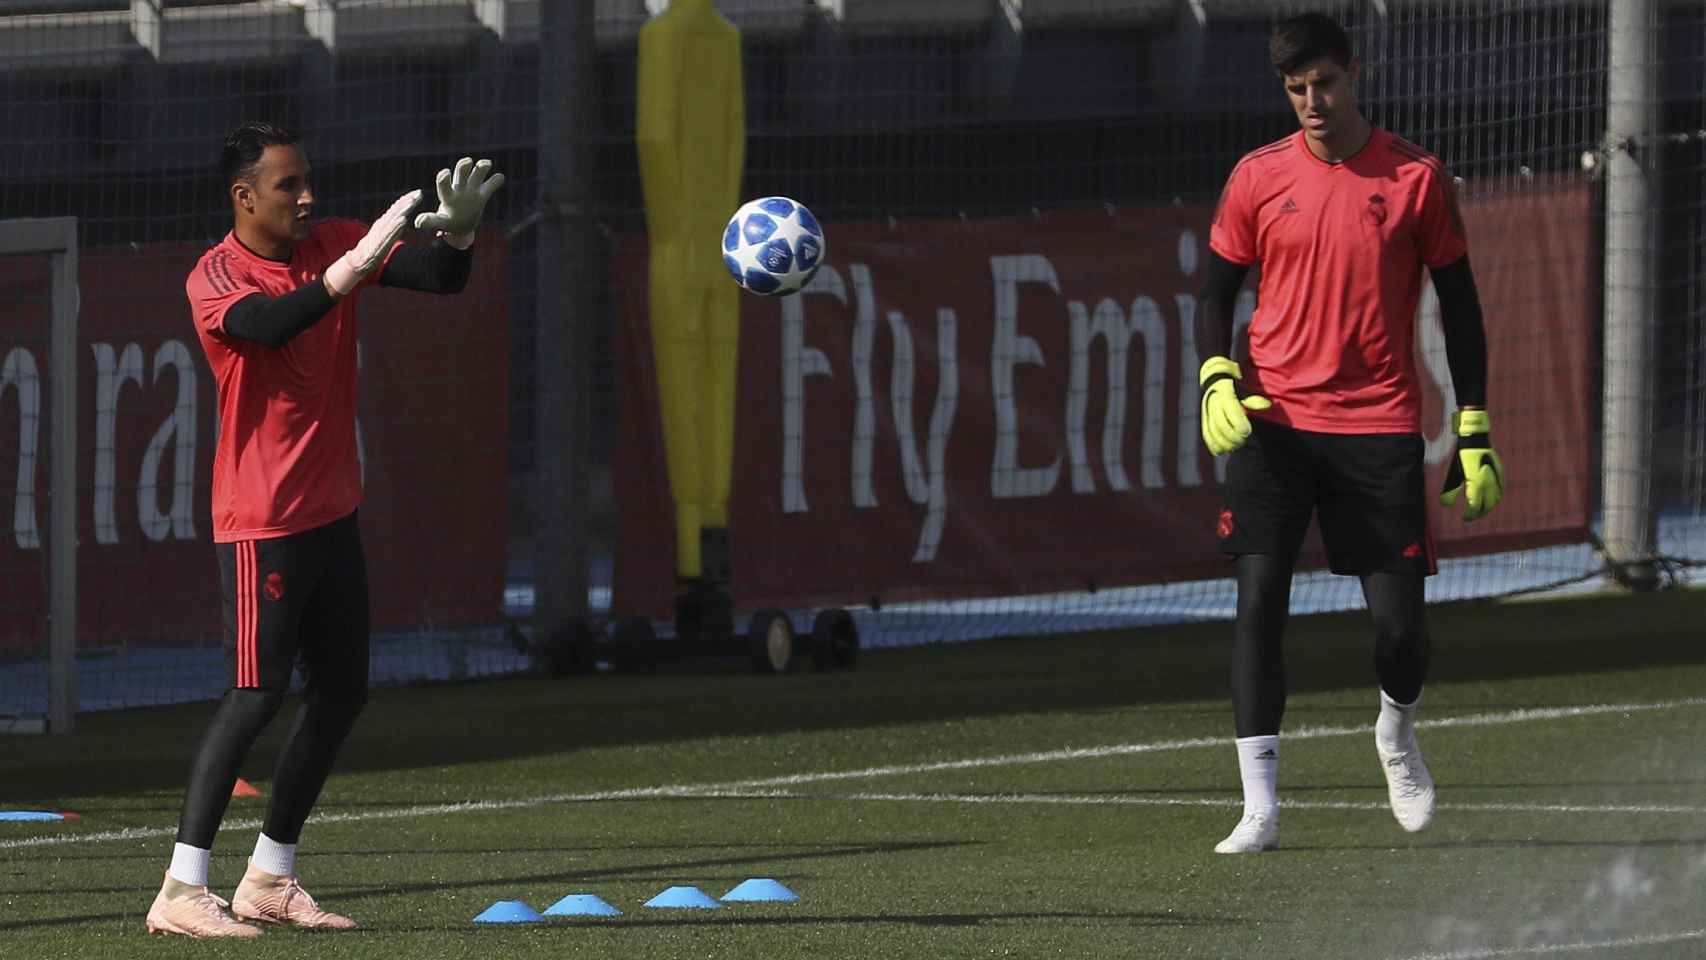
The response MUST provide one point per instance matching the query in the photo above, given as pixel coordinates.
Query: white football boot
(1255, 833)
(1409, 786)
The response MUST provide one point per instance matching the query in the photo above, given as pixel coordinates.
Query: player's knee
(1399, 635)
(336, 711)
(1401, 658)
(255, 706)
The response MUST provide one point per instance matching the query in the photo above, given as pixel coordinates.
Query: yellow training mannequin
(691, 131)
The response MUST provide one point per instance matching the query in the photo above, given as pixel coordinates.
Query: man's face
(280, 198)
(1323, 95)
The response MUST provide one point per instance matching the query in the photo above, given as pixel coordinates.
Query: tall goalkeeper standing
(274, 304)
(1343, 217)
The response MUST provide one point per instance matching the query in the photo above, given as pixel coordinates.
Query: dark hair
(1306, 37)
(244, 146)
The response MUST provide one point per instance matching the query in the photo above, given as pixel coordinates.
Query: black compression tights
(320, 729)
(1258, 656)
(1395, 601)
(1401, 646)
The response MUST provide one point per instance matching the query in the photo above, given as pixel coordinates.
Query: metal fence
(876, 112)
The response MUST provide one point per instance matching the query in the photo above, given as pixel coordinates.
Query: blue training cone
(508, 911)
(30, 816)
(582, 905)
(760, 890)
(691, 898)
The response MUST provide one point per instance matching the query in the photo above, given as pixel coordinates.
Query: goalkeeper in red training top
(274, 304)
(1343, 217)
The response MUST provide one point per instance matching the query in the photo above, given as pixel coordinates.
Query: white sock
(189, 864)
(1258, 766)
(1395, 730)
(278, 859)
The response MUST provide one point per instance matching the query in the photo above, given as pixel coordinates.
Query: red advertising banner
(433, 427)
(1010, 406)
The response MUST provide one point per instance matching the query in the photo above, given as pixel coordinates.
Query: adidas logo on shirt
(1289, 206)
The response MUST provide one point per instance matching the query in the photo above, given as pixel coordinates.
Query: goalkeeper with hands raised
(274, 304)
(1343, 217)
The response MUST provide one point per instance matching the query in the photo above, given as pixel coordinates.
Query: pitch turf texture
(1046, 797)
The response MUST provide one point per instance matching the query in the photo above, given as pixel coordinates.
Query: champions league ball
(772, 246)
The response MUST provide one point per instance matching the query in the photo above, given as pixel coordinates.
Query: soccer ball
(772, 246)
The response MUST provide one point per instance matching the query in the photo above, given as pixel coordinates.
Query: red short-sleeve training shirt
(1341, 247)
(286, 458)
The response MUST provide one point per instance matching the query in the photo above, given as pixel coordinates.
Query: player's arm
(275, 321)
(369, 253)
(1216, 303)
(1465, 332)
(1476, 471)
(1224, 424)
(440, 268)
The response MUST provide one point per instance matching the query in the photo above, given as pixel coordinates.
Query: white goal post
(56, 239)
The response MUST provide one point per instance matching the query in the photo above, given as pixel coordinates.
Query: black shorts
(1369, 491)
(301, 597)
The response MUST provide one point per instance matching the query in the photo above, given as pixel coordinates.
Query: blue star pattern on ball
(773, 246)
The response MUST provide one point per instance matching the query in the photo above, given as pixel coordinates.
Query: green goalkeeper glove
(363, 258)
(1476, 471)
(1225, 426)
(462, 197)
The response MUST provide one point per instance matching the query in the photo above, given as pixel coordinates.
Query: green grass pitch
(1044, 797)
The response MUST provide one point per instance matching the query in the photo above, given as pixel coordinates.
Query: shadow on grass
(430, 726)
(1156, 920)
(907, 919)
(740, 856)
(1514, 843)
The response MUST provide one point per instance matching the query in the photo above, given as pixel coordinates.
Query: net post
(1631, 255)
(56, 238)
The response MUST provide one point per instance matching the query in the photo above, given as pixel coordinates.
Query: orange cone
(244, 788)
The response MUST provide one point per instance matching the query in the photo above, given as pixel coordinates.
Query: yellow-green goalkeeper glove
(462, 197)
(1476, 471)
(1225, 426)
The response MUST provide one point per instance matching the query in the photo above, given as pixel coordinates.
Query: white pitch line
(1102, 799)
(866, 773)
(1642, 940)
(431, 810)
(1127, 749)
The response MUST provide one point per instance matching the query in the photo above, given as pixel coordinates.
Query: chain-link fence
(940, 142)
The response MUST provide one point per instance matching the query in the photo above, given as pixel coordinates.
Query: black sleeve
(273, 321)
(1465, 332)
(440, 268)
(1215, 307)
